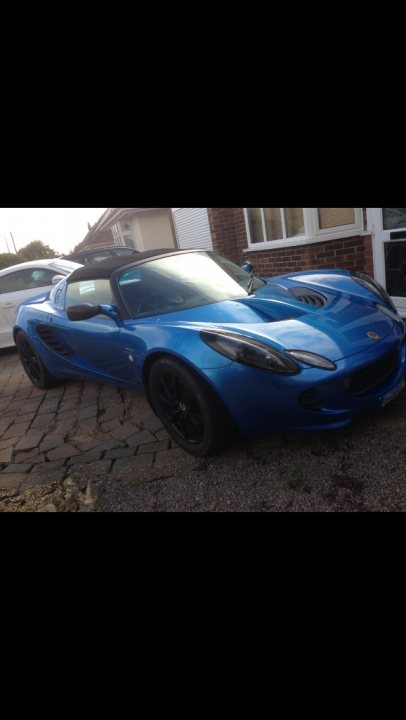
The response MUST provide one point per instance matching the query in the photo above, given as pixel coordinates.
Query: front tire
(32, 364)
(187, 407)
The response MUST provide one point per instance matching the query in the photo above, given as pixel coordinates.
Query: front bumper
(260, 402)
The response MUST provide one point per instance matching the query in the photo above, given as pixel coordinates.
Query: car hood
(345, 326)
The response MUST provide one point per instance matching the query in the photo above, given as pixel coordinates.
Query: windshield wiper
(250, 288)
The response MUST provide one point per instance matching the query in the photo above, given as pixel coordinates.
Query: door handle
(8, 306)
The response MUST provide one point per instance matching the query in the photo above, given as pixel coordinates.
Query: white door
(388, 226)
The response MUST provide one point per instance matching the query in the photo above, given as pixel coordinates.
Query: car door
(16, 287)
(97, 345)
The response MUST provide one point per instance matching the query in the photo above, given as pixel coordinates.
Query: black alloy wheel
(32, 363)
(187, 407)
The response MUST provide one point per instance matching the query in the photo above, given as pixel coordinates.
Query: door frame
(379, 238)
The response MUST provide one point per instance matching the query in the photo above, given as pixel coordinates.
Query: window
(26, 280)
(394, 218)
(335, 217)
(95, 292)
(273, 224)
(281, 227)
(337, 222)
(395, 264)
(123, 234)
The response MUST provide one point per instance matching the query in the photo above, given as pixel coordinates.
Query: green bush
(35, 250)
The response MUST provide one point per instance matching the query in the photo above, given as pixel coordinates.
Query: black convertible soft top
(104, 270)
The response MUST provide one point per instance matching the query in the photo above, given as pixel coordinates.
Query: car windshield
(181, 282)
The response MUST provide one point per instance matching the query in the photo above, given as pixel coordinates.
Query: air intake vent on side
(50, 337)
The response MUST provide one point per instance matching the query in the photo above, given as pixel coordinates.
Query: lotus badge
(373, 336)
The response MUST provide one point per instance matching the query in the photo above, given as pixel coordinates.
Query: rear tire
(32, 363)
(187, 407)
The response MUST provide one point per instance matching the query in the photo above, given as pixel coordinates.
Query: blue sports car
(214, 346)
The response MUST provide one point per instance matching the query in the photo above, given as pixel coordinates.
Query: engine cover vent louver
(309, 297)
(50, 337)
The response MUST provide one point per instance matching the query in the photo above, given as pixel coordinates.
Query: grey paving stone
(4, 424)
(141, 438)
(26, 417)
(87, 425)
(10, 442)
(37, 393)
(110, 425)
(85, 459)
(90, 401)
(50, 442)
(55, 392)
(26, 456)
(36, 459)
(6, 455)
(30, 406)
(16, 430)
(48, 406)
(11, 481)
(120, 453)
(64, 451)
(20, 468)
(15, 406)
(43, 420)
(93, 470)
(122, 432)
(153, 424)
(29, 440)
(49, 468)
(114, 411)
(68, 405)
(85, 445)
(63, 427)
(87, 412)
(154, 447)
(43, 475)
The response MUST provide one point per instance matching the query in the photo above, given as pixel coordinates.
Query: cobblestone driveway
(82, 431)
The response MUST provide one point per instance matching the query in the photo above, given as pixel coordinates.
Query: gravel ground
(359, 469)
(363, 469)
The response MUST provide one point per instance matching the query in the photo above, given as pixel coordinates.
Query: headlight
(374, 287)
(250, 352)
(312, 359)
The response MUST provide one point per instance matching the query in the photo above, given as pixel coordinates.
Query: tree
(6, 260)
(36, 250)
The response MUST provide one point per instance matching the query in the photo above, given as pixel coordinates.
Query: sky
(60, 228)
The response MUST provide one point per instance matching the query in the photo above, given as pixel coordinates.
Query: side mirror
(88, 311)
(248, 268)
(57, 279)
(83, 312)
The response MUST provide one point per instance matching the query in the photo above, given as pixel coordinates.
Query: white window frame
(356, 227)
(312, 234)
(121, 238)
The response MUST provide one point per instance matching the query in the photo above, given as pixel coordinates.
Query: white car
(24, 281)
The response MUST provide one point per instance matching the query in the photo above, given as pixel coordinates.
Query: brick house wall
(230, 240)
